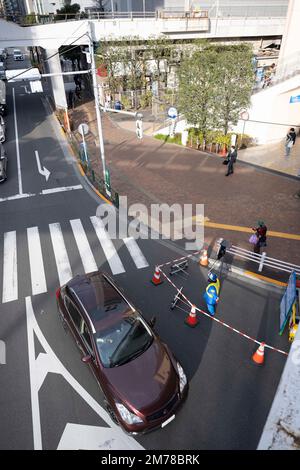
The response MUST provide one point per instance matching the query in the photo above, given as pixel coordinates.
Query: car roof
(102, 302)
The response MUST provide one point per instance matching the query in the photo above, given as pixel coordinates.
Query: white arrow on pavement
(44, 363)
(43, 171)
(79, 437)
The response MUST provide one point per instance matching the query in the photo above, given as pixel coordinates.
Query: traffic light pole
(97, 103)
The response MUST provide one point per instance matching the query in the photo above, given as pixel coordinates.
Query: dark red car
(142, 382)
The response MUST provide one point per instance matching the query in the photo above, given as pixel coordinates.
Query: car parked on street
(143, 384)
(3, 164)
(18, 55)
(2, 129)
(2, 71)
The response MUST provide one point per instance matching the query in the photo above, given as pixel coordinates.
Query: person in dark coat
(261, 233)
(231, 157)
(290, 141)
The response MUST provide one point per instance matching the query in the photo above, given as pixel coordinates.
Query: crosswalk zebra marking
(83, 246)
(60, 253)
(10, 269)
(38, 280)
(10, 287)
(110, 252)
(135, 252)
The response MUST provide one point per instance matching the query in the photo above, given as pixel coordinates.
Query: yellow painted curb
(267, 279)
(238, 228)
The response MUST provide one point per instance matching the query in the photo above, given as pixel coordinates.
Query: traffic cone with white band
(258, 356)
(203, 258)
(191, 319)
(156, 280)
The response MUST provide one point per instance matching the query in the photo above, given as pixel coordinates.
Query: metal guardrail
(98, 183)
(37, 18)
(263, 260)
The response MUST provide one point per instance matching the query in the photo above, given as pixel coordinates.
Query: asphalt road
(48, 397)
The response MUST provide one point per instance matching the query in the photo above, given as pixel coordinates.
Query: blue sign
(287, 301)
(295, 99)
(172, 113)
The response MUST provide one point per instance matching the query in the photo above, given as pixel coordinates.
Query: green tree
(197, 89)
(235, 79)
(134, 63)
(70, 11)
(111, 55)
(158, 50)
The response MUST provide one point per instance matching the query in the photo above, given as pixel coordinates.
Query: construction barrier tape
(180, 259)
(216, 319)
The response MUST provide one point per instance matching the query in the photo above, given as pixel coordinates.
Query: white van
(18, 55)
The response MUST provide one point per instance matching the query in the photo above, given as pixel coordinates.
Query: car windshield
(124, 341)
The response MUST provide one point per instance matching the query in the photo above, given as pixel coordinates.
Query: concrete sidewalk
(271, 156)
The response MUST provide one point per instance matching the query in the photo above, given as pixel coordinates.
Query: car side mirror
(86, 359)
(152, 322)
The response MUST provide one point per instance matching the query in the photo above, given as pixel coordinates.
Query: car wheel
(111, 413)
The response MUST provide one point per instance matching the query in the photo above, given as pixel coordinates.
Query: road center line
(17, 145)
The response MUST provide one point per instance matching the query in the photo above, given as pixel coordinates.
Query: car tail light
(57, 293)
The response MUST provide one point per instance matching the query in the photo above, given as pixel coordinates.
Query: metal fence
(202, 9)
(263, 260)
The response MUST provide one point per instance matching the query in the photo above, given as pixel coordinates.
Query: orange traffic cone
(258, 356)
(203, 258)
(156, 280)
(191, 319)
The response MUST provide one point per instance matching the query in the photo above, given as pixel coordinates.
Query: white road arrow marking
(48, 362)
(79, 436)
(43, 171)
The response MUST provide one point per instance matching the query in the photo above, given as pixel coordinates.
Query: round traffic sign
(244, 115)
(172, 113)
(83, 128)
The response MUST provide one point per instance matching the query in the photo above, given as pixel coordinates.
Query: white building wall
(272, 105)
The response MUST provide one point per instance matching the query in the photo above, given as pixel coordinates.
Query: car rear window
(103, 302)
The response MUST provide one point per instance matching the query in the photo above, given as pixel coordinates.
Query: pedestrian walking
(231, 158)
(261, 236)
(290, 141)
(211, 295)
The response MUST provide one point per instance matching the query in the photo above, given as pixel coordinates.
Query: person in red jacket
(261, 233)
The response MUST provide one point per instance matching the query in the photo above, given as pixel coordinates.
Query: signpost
(287, 302)
(173, 114)
(83, 129)
(245, 117)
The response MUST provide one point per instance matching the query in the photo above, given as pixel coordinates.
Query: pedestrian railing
(262, 259)
(98, 183)
(107, 191)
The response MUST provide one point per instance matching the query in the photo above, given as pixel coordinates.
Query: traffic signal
(222, 249)
(139, 128)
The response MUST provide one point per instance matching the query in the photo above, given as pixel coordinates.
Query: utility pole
(97, 103)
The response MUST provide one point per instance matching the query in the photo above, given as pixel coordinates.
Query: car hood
(146, 382)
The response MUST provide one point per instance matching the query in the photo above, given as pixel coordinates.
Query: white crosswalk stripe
(83, 246)
(10, 272)
(60, 254)
(37, 272)
(63, 255)
(110, 252)
(135, 252)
